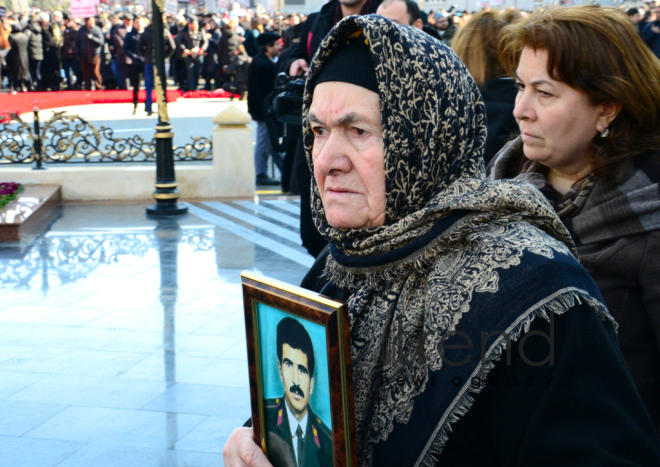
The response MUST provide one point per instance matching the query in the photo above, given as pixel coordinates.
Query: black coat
(69, 43)
(318, 25)
(188, 40)
(227, 45)
(118, 36)
(51, 62)
(145, 45)
(17, 58)
(581, 410)
(131, 47)
(261, 82)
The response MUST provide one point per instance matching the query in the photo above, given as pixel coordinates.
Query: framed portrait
(300, 374)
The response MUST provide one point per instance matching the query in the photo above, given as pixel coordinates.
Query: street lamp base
(167, 209)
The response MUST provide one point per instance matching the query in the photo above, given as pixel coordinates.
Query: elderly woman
(589, 118)
(477, 338)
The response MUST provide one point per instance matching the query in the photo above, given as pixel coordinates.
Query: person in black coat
(317, 26)
(210, 63)
(145, 48)
(88, 44)
(35, 52)
(261, 82)
(137, 62)
(192, 44)
(50, 66)
(227, 45)
(17, 59)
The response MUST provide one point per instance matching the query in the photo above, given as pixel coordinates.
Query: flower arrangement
(8, 192)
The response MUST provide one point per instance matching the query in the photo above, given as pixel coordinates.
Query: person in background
(589, 118)
(210, 64)
(115, 22)
(35, 52)
(445, 27)
(634, 15)
(402, 12)
(108, 76)
(476, 45)
(88, 45)
(227, 45)
(237, 70)
(5, 30)
(178, 63)
(50, 66)
(192, 44)
(261, 82)
(137, 62)
(251, 46)
(145, 48)
(123, 61)
(69, 61)
(651, 33)
(17, 60)
(292, 20)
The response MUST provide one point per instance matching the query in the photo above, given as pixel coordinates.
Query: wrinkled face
(349, 154)
(557, 122)
(298, 383)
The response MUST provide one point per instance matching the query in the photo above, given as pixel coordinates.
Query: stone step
(25, 213)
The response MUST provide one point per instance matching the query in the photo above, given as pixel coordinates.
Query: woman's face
(557, 122)
(348, 154)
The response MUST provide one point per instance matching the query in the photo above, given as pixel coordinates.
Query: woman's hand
(242, 451)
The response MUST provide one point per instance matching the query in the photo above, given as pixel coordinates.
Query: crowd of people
(47, 51)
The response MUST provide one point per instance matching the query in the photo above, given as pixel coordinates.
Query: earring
(605, 133)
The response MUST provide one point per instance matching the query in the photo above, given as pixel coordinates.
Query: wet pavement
(122, 339)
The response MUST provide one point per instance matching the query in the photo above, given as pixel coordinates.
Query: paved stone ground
(122, 339)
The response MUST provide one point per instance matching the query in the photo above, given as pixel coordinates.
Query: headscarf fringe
(558, 303)
(421, 260)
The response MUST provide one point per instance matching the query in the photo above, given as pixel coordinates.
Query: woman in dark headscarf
(445, 273)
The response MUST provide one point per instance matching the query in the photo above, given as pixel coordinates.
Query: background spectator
(88, 44)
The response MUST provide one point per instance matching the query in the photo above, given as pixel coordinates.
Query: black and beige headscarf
(449, 255)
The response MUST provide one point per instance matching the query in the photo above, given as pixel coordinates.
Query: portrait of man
(296, 436)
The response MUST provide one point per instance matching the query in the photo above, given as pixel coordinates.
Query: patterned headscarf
(434, 132)
(448, 240)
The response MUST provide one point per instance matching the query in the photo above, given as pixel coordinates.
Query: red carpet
(26, 101)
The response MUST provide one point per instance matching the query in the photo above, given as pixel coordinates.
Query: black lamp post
(166, 193)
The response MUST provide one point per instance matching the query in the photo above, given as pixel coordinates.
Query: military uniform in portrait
(316, 440)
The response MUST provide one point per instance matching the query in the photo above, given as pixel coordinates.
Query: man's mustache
(295, 389)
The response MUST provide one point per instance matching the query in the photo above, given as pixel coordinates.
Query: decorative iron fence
(70, 138)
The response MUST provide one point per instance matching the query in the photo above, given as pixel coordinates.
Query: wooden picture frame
(270, 305)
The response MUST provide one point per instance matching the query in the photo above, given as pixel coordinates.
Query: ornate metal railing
(70, 138)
